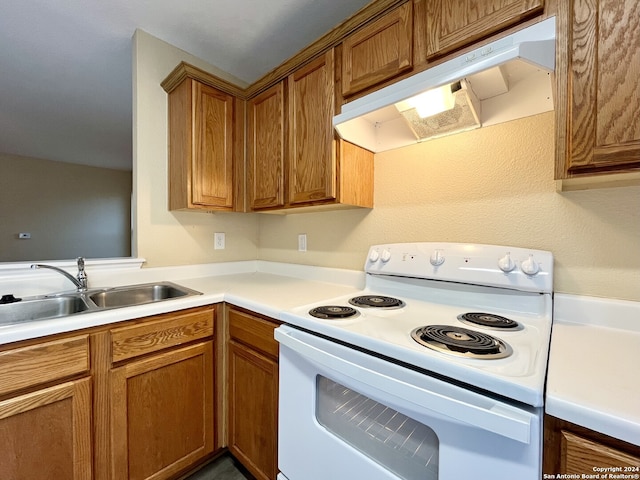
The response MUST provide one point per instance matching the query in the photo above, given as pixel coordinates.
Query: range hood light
(429, 103)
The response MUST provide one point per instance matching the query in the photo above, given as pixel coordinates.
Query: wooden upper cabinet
(266, 148)
(203, 140)
(379, 51)
(212, 162)
(294, 159)
(451, 25)
(598, 72)
(311, 144)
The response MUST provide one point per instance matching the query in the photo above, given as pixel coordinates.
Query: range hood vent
(463, 115)
(502, 81)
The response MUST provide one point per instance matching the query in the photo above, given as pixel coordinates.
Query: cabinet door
(162, 413)
(580, 455)
(46, 434)
(212, 161)
(312, 167)
(599, 98)
(266, 142)
(253, 410)
(378, 51)
(452, 25)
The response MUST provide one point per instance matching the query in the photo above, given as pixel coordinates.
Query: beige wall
(494, 185)
(160, 236)
(69, 210)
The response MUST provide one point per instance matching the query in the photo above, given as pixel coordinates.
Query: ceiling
(65, 66)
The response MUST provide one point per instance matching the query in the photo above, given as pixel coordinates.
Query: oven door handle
(425, 392)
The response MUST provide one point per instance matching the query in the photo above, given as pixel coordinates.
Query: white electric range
(452, 338)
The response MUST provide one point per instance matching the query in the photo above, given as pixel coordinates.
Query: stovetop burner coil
(489, 320)
(328, 312)
(376, 301)
(461, 342)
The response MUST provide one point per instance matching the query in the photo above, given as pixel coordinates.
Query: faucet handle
(82, 275)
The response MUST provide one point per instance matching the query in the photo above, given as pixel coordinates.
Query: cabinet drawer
(253, 331)
(160, 332)
(36, 364)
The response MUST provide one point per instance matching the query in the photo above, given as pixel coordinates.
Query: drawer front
(45, 362)
(253, 331)
(160, 332)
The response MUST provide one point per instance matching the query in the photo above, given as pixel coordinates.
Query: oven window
(399, 443)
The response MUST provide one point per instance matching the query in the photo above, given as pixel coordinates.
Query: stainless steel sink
(93, 300)
(139, 294)
(40, 308)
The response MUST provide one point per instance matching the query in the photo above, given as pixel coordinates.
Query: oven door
(345, 414)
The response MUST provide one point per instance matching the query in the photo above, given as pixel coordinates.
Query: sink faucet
(80, 281)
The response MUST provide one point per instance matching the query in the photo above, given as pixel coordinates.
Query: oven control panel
(492, 265)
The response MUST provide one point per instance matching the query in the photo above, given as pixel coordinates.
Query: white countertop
(593, 378)
(263, 287)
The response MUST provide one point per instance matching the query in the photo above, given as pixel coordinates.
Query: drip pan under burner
(376, 301)
(461, 342)
(489, 320)
(333, 312)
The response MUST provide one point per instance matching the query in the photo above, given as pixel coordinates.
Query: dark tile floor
(223, 468)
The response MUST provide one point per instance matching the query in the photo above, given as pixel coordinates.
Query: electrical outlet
(302, 242)
(218, 241)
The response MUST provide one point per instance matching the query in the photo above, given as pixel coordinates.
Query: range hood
(501, 81)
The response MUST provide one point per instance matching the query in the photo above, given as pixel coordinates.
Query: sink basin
(41, 308)
(62, 305)
(139, 294)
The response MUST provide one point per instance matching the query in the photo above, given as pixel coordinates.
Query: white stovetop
(519, 376)
(594, 361)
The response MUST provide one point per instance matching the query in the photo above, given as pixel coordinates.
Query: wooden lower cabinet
(253, 393)
(162, 413)
(46, 410)
(46, 434)
(141, 400)
(570, 449)
(160, 394)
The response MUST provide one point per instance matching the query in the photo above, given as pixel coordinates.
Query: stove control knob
(529, 266)
(506, 264)
(386, 255)
(436, 259)
(374, 256)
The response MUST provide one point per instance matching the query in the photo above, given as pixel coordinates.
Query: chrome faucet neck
(80, 281)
